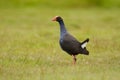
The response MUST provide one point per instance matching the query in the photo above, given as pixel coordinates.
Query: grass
(29, 48)
(61, 3)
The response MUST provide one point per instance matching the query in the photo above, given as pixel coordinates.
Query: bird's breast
(61, 40)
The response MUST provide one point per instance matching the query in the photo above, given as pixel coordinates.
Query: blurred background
(61, 3)
(29, 40)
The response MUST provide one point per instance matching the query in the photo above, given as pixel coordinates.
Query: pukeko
(68, 43)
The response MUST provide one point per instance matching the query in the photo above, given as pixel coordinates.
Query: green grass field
(29, 48)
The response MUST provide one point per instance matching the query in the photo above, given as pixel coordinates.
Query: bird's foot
(74, 59)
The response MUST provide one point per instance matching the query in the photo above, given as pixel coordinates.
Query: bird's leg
(74, 59)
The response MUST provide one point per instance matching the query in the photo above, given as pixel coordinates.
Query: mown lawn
(29, 48)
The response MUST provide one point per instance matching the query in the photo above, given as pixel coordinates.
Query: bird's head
(57, 18)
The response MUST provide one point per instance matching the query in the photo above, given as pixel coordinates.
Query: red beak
(55, 18)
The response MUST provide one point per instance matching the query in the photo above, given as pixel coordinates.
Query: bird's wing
(71, 40)
(70, 37)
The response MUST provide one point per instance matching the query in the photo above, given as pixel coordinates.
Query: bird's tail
(87, 40)
(84, 43)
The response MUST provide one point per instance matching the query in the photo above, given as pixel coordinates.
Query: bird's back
(69, 44)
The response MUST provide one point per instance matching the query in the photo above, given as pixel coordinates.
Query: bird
(68, 43)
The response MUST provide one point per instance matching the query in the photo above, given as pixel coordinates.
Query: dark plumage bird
(68, 43)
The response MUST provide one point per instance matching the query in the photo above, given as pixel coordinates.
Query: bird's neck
(62, 28)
